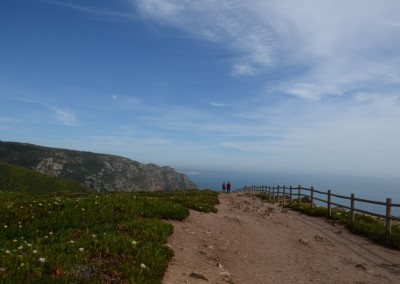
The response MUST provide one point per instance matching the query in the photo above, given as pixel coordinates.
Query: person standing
(223, 187)
(228, 187)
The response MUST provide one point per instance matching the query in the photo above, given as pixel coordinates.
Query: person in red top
(228, 187)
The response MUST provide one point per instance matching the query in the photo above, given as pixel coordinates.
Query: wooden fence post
(388, 216)
(329, 204)
(277, 193)
(273, 194)
(299, 193)
(290, 195)
(312, 197)
(284, 195)
(352, 211)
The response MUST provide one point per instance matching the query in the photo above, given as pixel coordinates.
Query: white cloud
(243, 69)
(66, 116)
(311, 91)
(163, 9)
(230, 23)
(216, 104)
(100, 13)
(344, 44)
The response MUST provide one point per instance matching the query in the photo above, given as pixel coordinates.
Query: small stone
(198, 276)
(224, 273)
(304, 241)
(362, 267)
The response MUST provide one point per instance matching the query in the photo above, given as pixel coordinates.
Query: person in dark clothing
(223, 187)
(228, 187)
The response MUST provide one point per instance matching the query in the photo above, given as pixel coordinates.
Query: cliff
(100, 172)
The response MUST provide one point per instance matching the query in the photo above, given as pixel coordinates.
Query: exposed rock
(100, 172)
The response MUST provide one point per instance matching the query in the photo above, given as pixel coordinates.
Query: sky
(305, 86)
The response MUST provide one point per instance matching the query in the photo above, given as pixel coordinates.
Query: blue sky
(252, 86)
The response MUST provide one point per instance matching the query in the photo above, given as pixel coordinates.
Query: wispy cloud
(335, 45)
(100, 13)
(216, 104)
(66, 116)
(338, 46)
(221, 22)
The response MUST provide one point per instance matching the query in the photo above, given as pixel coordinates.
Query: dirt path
(251, 241)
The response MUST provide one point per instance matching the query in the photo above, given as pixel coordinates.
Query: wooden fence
(292, 194)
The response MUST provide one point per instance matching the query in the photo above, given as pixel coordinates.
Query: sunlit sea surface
(371, 188)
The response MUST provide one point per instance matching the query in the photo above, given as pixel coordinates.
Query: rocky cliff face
(97, 171)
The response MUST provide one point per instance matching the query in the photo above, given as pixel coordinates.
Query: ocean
(371, 188)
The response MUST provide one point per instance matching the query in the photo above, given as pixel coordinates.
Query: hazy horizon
(371, 188)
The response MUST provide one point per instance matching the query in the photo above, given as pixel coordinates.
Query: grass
(20, 179)
(83, 237)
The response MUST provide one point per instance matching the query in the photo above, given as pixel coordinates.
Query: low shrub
(70, 237)
(368, 226)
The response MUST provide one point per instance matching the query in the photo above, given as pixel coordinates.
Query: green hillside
(99, 172)
(20, 179)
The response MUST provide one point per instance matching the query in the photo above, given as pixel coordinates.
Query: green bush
(374, 229)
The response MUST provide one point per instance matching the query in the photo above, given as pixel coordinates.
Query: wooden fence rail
(297, 194)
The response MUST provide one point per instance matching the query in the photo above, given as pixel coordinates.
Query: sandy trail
(252, 241)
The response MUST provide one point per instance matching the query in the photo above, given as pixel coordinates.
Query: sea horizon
(370, 188)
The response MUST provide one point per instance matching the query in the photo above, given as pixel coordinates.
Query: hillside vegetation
(100, 172)
(81, 237)
(20, 179)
